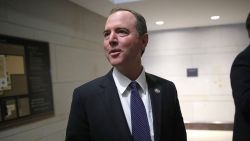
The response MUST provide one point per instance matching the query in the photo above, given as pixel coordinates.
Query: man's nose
(113, 40)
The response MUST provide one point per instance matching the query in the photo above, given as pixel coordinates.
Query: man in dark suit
(100, 109)
(240, 81)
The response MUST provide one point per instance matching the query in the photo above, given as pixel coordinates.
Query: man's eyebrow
(105, 31)
(122, 29)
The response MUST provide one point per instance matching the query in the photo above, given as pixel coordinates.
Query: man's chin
(115, 62)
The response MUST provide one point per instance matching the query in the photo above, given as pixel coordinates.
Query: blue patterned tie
(139, 120)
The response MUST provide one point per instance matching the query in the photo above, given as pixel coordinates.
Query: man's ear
(145, 40)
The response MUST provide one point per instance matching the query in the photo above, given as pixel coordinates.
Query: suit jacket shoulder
(96, 86)
(240, 82)
(157, 78)
(242, 57)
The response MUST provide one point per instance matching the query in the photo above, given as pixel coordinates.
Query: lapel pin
(157, 90)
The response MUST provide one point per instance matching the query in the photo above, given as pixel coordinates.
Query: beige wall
(208, 97)
(75, 38)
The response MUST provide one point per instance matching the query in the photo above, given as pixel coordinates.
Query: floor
(209, 135)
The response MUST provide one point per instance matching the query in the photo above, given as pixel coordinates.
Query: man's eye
(106, 34)
(122, 33)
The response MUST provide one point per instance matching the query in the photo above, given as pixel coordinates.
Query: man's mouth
(114, 52)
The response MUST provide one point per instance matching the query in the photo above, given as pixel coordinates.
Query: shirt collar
(122, 81)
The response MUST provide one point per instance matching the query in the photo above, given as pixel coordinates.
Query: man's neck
(131, 72)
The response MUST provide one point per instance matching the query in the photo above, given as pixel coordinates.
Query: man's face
(122, 43)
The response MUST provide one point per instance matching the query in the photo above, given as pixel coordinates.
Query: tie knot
(133, 85)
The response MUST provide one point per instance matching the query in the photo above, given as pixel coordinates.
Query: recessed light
(123, 1)
(159, 22)
(215, 17)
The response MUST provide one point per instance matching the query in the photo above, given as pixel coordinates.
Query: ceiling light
(123, 1)
(215, 17)
(159, 22)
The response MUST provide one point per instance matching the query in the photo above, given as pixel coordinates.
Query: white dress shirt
(122, 83)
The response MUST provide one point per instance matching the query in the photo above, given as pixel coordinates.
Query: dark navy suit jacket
(240, 81)
(97, 114)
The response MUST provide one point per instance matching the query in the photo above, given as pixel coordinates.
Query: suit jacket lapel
(114, 108)
(155, 96)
